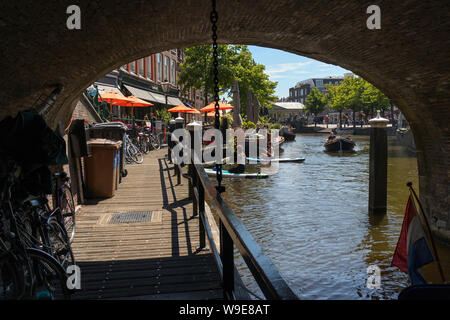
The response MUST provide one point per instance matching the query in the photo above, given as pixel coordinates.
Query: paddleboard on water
(277, 160)
(225, 173)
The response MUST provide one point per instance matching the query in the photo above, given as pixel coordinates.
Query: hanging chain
(214, 17)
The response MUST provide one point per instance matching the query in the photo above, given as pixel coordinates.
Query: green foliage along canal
(311, 219)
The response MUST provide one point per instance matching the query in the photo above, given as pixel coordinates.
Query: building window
(159, 67)
(133, 67)
(141, 67)
(166, 68)
(149, 67)
(319, 83)
(173, 73)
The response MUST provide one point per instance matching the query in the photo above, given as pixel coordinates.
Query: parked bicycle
(132, 152)
(31, 259)
(65, 205)
(34, 245)
(154, 141)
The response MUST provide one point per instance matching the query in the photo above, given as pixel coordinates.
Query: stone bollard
(378, 165)
(179, 121)
(195, 132)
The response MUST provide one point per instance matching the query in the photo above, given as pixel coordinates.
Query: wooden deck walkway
(155, 259)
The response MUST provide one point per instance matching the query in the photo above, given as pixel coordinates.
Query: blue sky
(287, 68)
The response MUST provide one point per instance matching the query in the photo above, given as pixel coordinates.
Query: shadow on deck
(152, 259)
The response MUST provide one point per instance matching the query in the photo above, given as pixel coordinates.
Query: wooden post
(378, 165)
(193, 128)
(201, 208)
(227, 257)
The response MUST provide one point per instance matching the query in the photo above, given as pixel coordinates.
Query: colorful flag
(412, 251)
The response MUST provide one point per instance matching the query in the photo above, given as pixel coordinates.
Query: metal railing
(232, 233)
(100, 106)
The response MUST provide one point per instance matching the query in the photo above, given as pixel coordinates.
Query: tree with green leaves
(234, 62)
(336, 98)
(373, 99)
(354, 88)
(315, 102)
(356, 94)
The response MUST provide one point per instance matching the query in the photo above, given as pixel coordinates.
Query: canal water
(311, 220)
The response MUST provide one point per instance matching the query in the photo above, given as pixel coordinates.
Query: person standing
(152, 122)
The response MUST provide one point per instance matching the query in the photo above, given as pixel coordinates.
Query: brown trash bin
(101, 168)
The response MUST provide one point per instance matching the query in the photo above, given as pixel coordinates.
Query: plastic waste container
(101, 168)
(112, 131)
(117, 167)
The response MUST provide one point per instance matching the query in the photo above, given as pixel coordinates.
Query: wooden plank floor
(157, 259)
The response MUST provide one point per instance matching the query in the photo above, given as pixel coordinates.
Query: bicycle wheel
(28, 233)
(138, 157)
(135, 154)
(156, 143)
(129, 154)
(12, 285)
(59, 243)
(68, 211)
(143, 145)
(50, 277)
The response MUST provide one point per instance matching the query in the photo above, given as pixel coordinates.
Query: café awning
(153, 96)
(145, 95)
(159, 98)
(173, 101)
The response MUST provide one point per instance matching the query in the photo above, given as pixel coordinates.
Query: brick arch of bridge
(407, 58)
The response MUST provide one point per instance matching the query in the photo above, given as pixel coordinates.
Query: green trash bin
(101, 168)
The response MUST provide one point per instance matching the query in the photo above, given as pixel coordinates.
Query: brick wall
(407, 58)
(83, 111)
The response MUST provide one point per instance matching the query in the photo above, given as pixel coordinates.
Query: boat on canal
(287, 134)
(339, 144)
(244, 175)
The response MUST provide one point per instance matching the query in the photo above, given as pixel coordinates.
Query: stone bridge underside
(408, 58)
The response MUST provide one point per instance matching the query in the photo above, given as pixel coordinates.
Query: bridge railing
(232, 233)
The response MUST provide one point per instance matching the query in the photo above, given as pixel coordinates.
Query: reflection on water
(311, 220)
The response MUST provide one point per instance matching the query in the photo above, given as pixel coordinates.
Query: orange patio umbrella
(118, 99)
(211, 107)
(183, 108)
(212, 114)
(113, 97)
(134, 102)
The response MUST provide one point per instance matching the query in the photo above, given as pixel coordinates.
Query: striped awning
(173, 101)
(153, 96)
(158, 97)
(146, 95)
